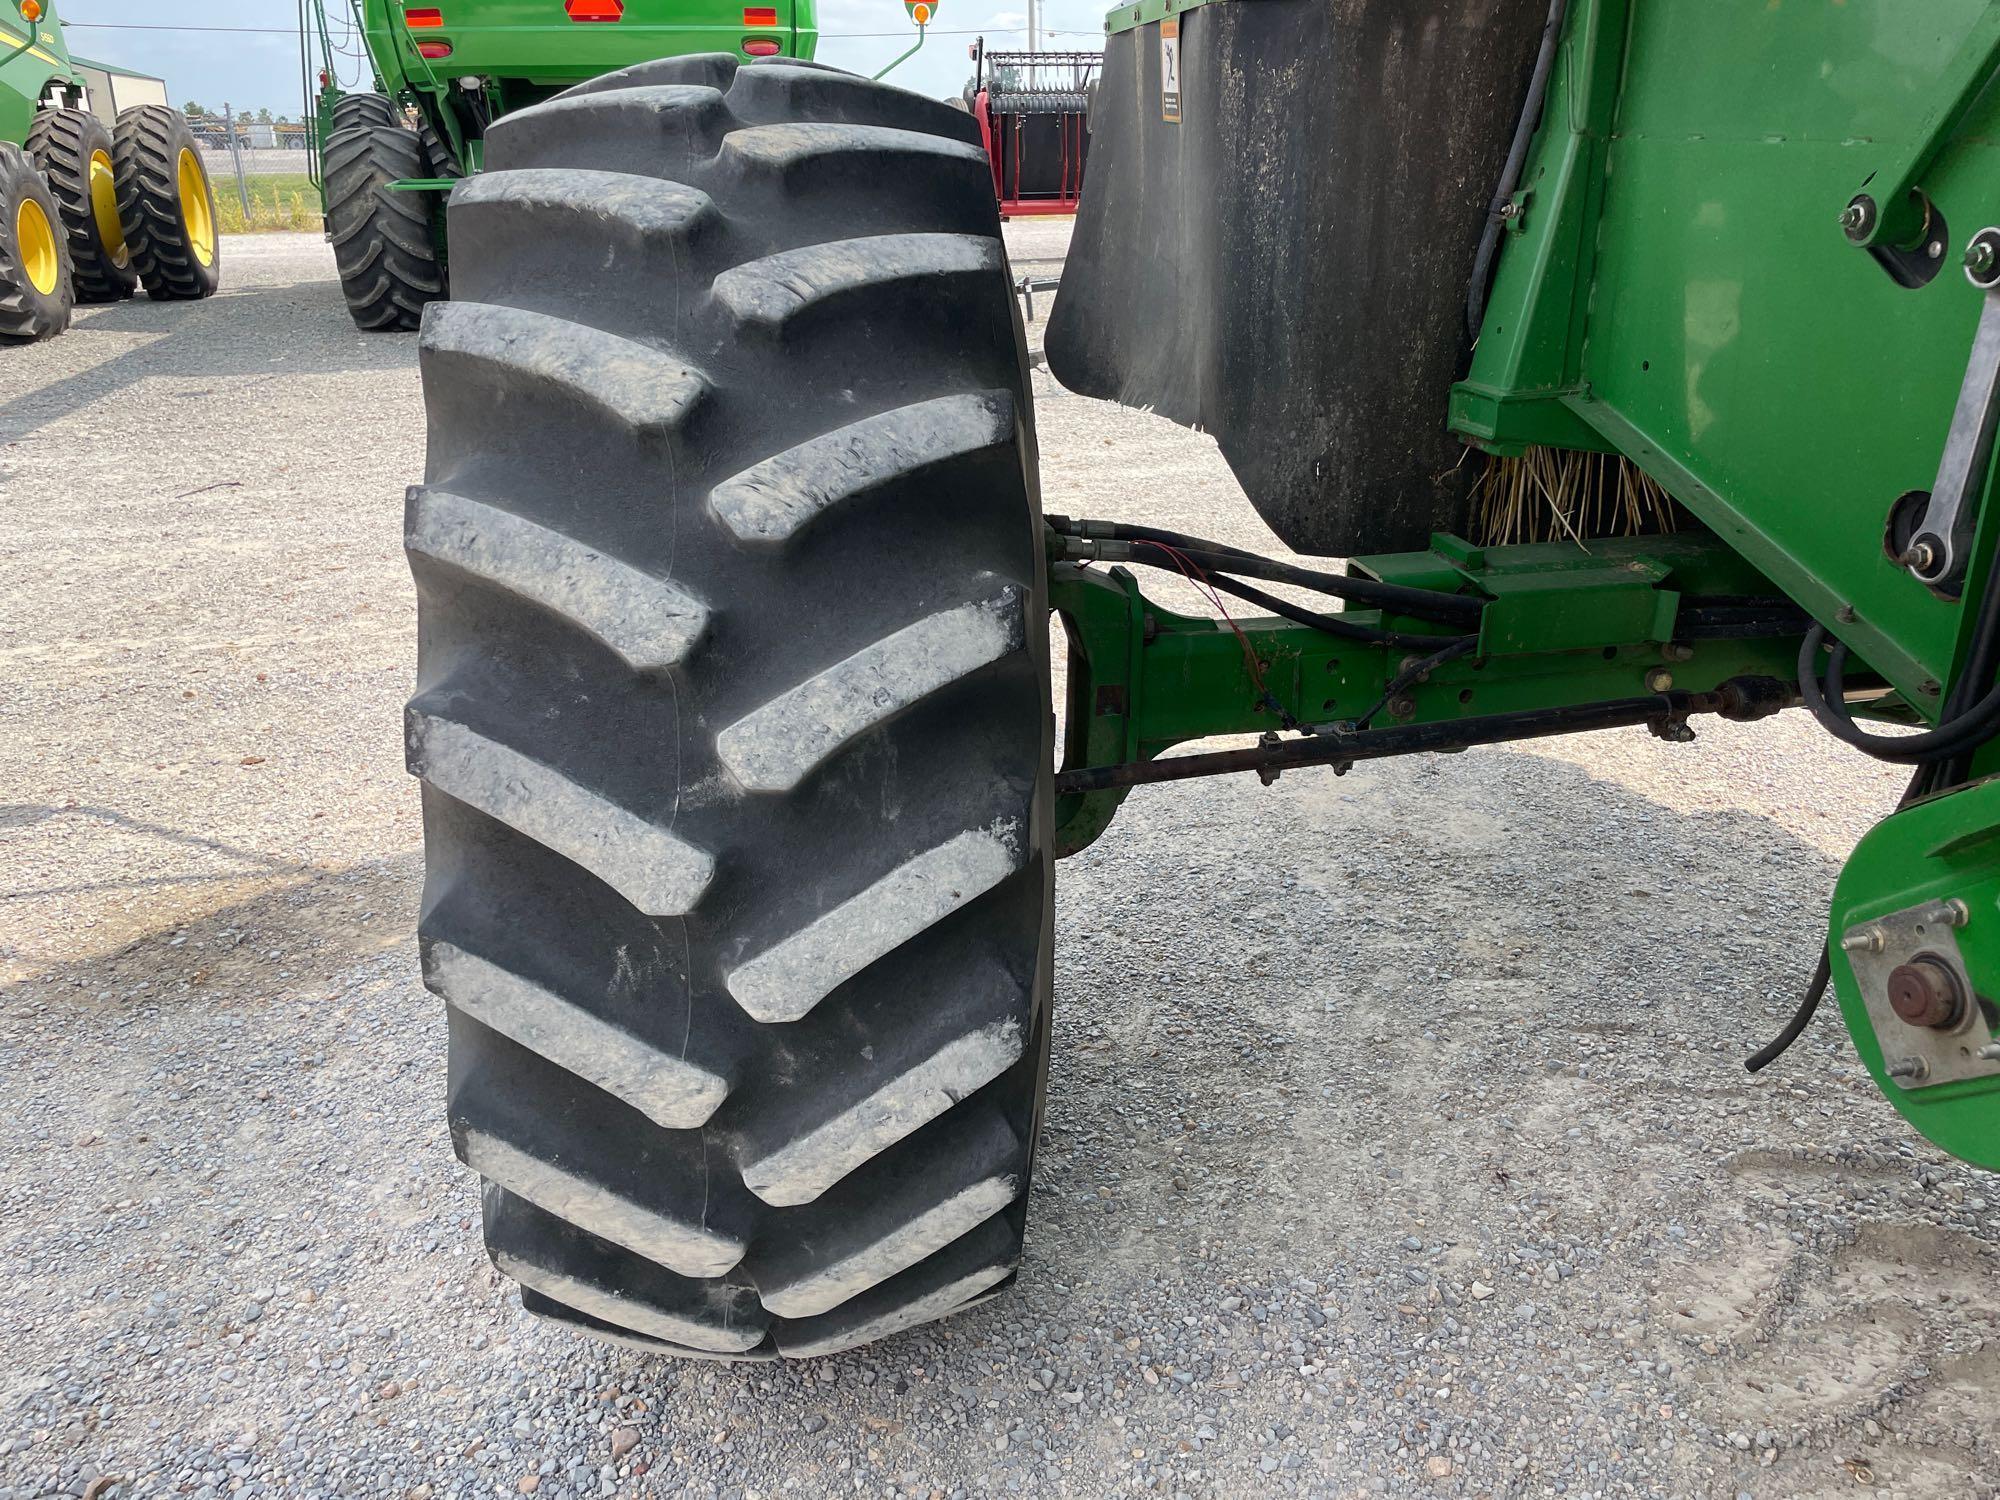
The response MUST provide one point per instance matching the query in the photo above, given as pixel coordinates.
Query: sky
(252, 69)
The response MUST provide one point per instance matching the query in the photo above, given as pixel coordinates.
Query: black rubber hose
(1982, 665)
(1772, 1050)
(1396, 598)
(1921, 784)
(1414, 672)
(1825, 697)
(1422, 604)
(1510, 175)
(1331, 624)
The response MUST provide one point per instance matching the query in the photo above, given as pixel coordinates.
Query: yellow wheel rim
(195, 210)
(104, 208)
(36, 241)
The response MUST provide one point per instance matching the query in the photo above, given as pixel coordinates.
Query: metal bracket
(1941, 535)
(1891, 210)
(1920, 1056)
(1027, 286)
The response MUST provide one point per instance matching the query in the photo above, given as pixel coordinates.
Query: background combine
(93, 205)
(390, 145)
(1642, 363)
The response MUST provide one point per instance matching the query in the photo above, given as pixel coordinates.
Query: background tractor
(440, 77)
(1642, 363)
(92, 206)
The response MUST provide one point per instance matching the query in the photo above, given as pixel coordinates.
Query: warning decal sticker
(1170, 71)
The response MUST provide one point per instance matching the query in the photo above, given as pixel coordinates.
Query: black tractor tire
(383, 240)
(166, 205)
(361, 111)
(443, 162)
(73, 150)
(36, 291)
(732, 710)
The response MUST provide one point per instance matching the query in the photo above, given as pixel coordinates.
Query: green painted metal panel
(1680, 286)
(1945, 849)
(1145, 12)
(31, 57)
(535, 41)
(1565, 626)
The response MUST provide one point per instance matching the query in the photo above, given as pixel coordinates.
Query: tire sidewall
(45, 314)
(206, 275)
(111, 273)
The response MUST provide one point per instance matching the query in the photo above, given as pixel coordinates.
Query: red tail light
(594, 10)
(434, 49)
(760, 46)
(423, 19)
(760, 15)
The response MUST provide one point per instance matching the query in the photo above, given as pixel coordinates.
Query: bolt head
(1982, 259)
(1659, 680)
(1912, 1068)
(1867, 940)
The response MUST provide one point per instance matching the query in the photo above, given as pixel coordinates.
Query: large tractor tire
(73, 150)
(360, 111)
(165, 205)
(732, 710)
(438, 155)
(383, 242)
(36, 297)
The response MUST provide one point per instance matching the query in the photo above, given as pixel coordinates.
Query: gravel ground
(1397, 1142)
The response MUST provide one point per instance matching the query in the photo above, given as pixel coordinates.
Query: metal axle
(1666, 713)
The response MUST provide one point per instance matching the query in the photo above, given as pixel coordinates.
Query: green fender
(1926, 880)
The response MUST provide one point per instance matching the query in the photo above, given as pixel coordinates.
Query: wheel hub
(104, 209)
(36, 240)
(195, 212)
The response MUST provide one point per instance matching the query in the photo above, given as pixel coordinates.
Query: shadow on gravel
(269, 332)
(1453, 978)
(240, 939)
(18, 815)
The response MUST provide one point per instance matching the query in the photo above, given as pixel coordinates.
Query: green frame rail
(1561, 626)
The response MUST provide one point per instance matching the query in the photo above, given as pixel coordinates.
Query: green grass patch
(285, 200)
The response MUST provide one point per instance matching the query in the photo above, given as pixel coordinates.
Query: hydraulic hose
(1795, 1028)
(1421, 604)
(1943, 755)
(1331, 624)
(1510, 175)
(1825, 697)
(1415, 672)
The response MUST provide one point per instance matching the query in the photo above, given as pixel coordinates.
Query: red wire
(1214, 596)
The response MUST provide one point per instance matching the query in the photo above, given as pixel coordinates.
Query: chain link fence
(276, 162)
(263, 181)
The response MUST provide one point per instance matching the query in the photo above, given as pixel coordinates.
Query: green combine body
(1631, 364)
(34, 66)
(1745, 253)
(444, 74)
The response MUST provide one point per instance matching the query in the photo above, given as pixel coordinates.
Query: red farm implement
(1032, 109)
